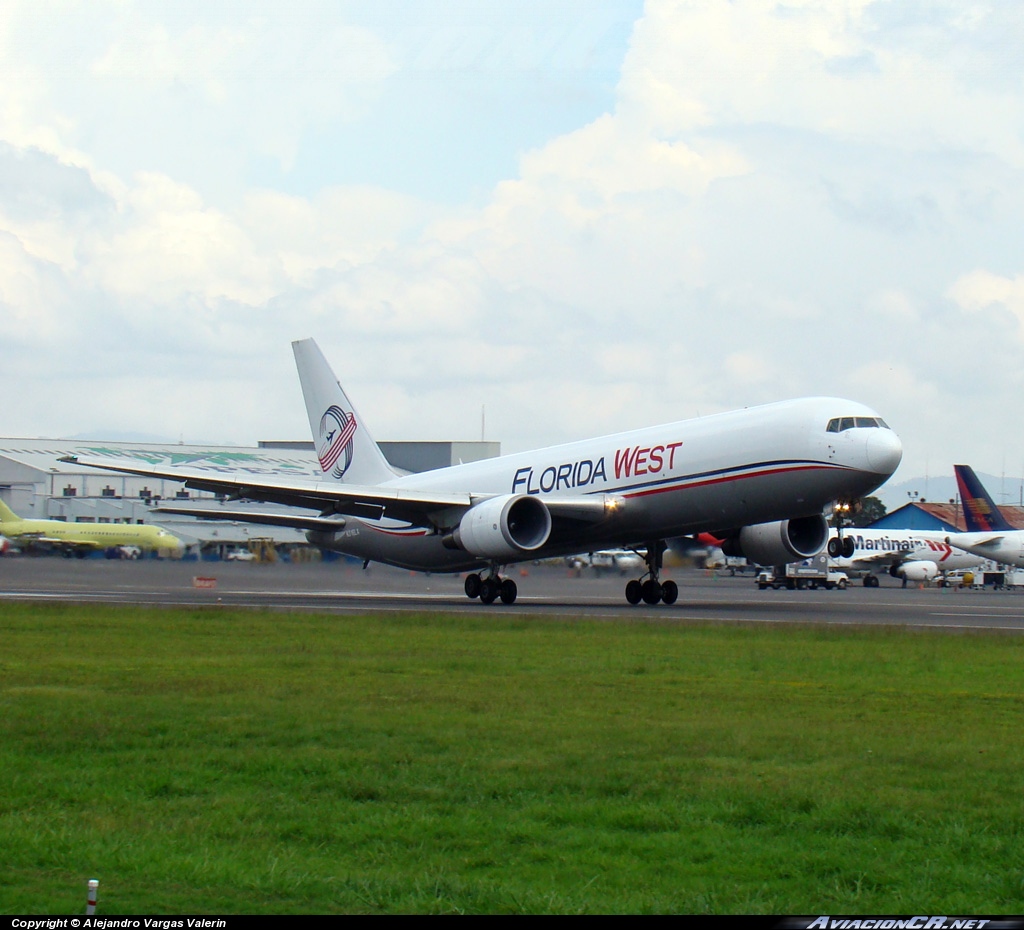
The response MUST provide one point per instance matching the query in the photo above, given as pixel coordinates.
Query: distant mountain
(940, 489)
(123, 436)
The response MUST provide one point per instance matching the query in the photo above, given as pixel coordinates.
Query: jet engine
(503, 527)
(915, 571)
(779, 542)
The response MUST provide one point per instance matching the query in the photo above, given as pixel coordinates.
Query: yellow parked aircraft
(82, 538)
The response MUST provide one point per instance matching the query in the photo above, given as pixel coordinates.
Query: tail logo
(981, 511)
(337, 430)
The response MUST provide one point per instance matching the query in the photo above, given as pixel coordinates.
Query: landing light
(612, 504)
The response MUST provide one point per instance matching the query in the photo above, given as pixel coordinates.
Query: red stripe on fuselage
(724, 478)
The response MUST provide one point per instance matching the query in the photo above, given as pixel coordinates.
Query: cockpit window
(840, 424)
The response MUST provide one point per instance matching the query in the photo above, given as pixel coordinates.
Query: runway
(544, 591)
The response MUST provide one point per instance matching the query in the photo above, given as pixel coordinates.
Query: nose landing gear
(652, 591)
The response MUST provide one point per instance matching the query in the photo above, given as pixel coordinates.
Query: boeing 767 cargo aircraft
(760, 476)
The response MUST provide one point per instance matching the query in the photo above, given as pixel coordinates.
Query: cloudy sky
(583, 215)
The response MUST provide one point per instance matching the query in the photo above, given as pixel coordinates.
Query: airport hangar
(34, 483)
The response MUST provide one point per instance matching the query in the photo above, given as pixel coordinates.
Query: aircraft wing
(880, 558)
(60, 543)
(296, 521)
(419, 508)
(328, 497)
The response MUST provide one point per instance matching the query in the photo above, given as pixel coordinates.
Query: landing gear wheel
(849, 547)
(835, 547)
(651, 591)
(508, 591)
(473, 586)
(489, 590)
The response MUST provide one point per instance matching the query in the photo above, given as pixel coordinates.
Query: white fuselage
(1004, 546)
(715, 473)
(876, 550)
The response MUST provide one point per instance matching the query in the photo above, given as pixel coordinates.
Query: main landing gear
(491, 588)
(652, 590)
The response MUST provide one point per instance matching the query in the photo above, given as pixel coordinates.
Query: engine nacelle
(915, 571)
(504, 527)
(780, 542)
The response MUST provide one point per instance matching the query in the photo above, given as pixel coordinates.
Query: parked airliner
(82, 538)
(915, 555)
(989, 534)
(760, 476)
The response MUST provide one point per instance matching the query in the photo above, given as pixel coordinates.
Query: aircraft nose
(884, 451)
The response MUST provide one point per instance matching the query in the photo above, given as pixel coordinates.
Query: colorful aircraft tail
(7, 515)
(980, 512)
(346, 450)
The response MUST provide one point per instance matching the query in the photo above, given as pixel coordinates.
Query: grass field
(236, 762)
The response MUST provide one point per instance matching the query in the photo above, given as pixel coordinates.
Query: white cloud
(981, 292)
(811, 197)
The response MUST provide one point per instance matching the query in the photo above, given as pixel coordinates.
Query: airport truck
(810, 573)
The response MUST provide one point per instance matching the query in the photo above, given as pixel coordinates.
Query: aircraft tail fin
(7, 515)
(980, 512)
(346, 450)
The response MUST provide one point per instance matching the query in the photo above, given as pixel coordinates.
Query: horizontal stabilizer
(969, 539)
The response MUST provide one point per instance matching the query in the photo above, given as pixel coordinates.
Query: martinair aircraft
(82, 538)
(910, 554)
(760, 477)
(989, 534)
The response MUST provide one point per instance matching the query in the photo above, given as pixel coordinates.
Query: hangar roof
(269, 458)
(918, 515)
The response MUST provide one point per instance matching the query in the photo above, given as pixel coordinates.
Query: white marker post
(90, 906)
